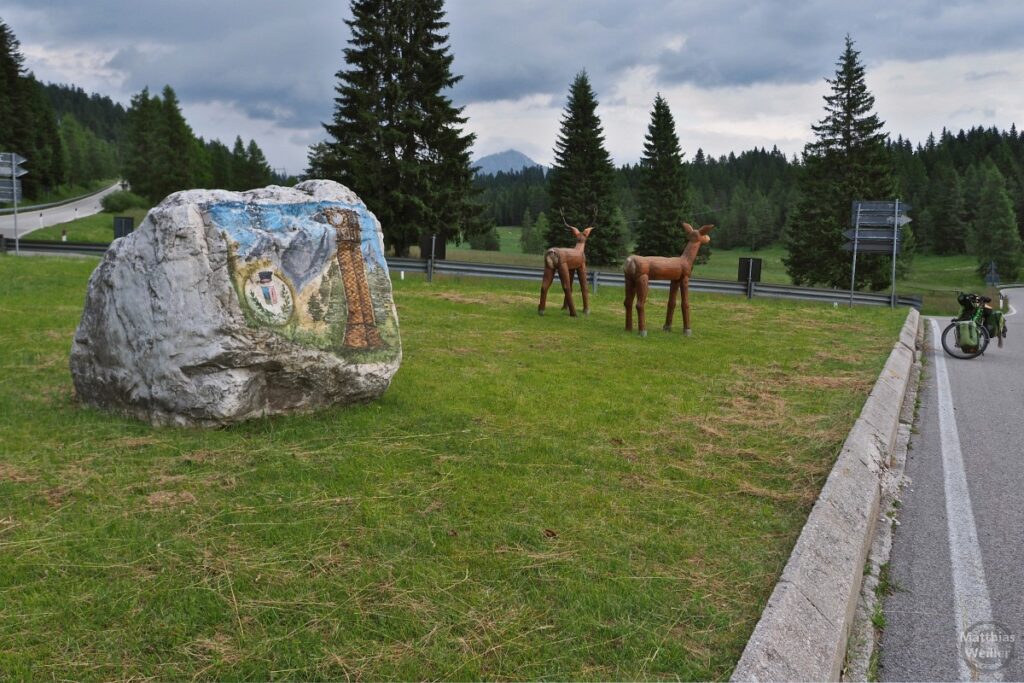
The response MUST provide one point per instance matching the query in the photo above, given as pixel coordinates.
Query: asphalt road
(957, 555)
(33, 219)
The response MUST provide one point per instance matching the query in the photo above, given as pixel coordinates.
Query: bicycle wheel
(951, 342)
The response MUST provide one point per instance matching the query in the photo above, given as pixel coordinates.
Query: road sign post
(887, 218)
(9, 168)
(992, 276)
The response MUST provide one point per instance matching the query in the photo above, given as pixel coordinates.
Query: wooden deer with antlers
(640, 270)
(565, 262)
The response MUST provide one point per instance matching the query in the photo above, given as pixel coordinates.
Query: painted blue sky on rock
(269, 230)
(736, 74)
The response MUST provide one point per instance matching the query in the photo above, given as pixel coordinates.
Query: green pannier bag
(994, 323)
(967, 334)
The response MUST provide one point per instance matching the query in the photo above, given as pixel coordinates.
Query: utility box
(123, 226)
(749, 270)
(439, 246)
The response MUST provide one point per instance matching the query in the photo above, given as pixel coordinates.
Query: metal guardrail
(596, 278)
(47, 246)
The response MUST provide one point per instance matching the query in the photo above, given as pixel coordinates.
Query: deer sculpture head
(698, 235)
(581, 236)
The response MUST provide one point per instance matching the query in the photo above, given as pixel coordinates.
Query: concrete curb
(802, 633)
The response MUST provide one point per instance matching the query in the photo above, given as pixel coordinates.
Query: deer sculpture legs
(565, 276)
(681, 286)
(638, 288)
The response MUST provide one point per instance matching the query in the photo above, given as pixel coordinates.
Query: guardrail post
(593, 281)
(3, 244)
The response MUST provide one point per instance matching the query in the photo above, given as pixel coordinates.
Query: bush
(487, 241)
(117, 202)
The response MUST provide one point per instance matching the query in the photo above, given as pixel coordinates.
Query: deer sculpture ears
(704, 230)
(586, 233)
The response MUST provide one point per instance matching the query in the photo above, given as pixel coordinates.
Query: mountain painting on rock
(314, 272)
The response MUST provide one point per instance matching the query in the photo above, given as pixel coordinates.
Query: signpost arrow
(6, 171)
(6, 157)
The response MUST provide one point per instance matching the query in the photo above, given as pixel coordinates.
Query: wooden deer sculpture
(640, 270)
(565, 262)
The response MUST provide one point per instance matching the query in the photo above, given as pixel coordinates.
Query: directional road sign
(873, 247)
(7, 192)
(872, 234)
(6, 171)
(878, 213)
(879, 219)
(5, 158)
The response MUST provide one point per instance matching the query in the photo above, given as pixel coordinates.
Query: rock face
(225, 306)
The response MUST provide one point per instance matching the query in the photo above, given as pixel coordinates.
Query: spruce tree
(538, 236)
(583, 177)
(847, 161)
(661, 193)
(143, 150)
(994, 236)
(12, 67)
(945, 210)
(396, 139)
(175, 147)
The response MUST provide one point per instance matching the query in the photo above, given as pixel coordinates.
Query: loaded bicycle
(969, 334)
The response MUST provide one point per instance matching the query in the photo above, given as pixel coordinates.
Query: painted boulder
(225, 306)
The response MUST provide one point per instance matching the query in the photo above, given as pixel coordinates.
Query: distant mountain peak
(507, 161)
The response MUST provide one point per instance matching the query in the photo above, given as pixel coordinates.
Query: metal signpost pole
(430, 264)
(13, 189)
(853, 269)
(895, 245)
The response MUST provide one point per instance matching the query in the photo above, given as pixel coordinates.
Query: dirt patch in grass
(161, 499)
(489, 299)
(134, 442)
(15, 474)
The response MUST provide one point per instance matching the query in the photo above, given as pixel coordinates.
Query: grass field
(533, 498)
(98, 228)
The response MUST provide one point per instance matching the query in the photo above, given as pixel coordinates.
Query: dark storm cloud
(536, 46)
(276, 60)
(270, 59)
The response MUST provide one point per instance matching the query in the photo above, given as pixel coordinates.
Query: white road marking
(970, 592)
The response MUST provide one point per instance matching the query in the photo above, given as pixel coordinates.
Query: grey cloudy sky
(736, 74)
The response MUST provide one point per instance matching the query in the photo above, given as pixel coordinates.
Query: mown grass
(533, 497)
(98, 228)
